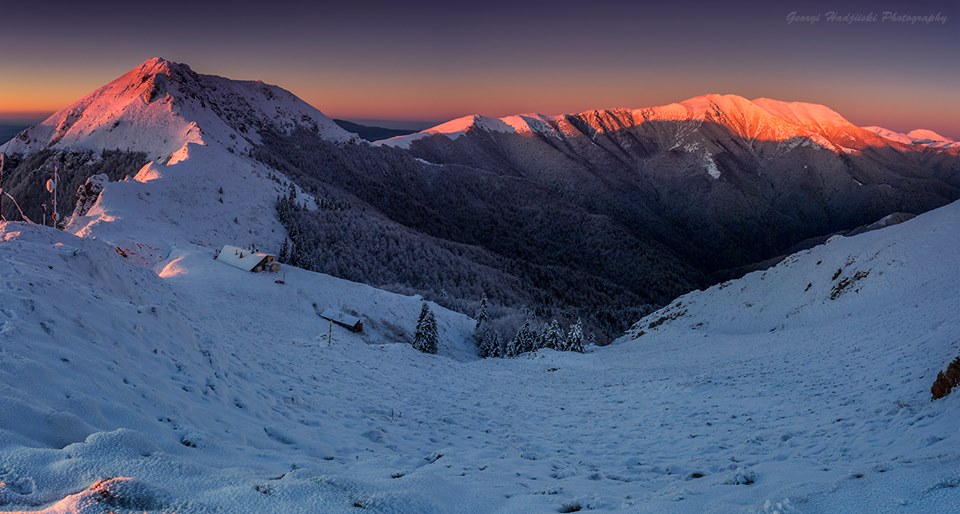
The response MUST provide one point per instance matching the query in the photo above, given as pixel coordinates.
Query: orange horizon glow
(362, 95)
(434, 62)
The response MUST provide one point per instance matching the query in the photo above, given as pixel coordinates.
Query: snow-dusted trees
(575, 338)
(425, 337)
(381, 219)
(482, 311)
(495, 348)
(553, 337)
(286, 212)
(483, 335)
(525, 341)
(488, 345)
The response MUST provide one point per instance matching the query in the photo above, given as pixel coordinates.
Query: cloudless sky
(435, 60)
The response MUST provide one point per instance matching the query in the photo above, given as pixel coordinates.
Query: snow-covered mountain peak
(159, 66)
(195, 133)
(161, 106)
(528, 123)
(717, 101)
(920, 135)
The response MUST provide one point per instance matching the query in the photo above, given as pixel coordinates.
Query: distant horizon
(27, 119)
(437, 61)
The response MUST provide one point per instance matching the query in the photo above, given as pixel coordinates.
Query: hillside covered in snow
(192, 386)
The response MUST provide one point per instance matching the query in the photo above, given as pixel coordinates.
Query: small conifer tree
(496, 348)
(482, 311)
(425, 337)
(574, 341)
(553, 337)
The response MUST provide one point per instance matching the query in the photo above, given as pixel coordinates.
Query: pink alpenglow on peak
(161, 106)
(762, 119)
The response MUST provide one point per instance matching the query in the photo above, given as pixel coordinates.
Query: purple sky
(437, 60)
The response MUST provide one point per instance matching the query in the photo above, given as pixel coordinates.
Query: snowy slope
(166, 205)
(890, 134)
(204, 388)
(183, 377)
(197, 130)
(832, 354)
(518, 124)
(921, 137)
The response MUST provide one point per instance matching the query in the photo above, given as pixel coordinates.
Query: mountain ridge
(760, 118)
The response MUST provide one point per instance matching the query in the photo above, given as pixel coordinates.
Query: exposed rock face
(88, 193)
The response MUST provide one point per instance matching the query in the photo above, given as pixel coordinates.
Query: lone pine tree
(425, 337)
(575, 338)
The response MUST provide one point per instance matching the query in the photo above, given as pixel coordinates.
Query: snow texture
(193, 387)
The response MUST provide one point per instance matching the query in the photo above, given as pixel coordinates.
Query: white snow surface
(191, 386)
(813, 116)
(923, 137)
(168, 205)
(192, 371)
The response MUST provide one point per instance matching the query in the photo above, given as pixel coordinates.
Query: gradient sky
(438, 60)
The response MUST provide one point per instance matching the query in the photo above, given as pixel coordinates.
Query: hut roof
(339, 317)
(241, 258)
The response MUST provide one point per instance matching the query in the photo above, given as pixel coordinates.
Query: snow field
(246, 407)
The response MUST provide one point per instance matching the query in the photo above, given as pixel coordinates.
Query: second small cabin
(351, 323)
(246, 260)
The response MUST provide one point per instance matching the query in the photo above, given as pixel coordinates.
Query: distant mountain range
(603, 215)
(920, 137)
(371, 133)
(735, 179)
